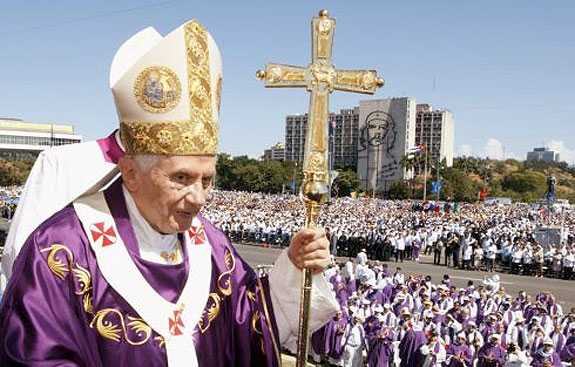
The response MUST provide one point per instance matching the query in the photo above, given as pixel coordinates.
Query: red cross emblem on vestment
(176, 323)
(197, 234)
(103, 234)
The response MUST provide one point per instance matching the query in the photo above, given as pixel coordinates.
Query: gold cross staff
(320, 78)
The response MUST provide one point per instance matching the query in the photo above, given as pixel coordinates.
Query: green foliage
(398, 190)
(456, 185)
(14, 172)
(525, 181)
(345, 183)
(248, 174)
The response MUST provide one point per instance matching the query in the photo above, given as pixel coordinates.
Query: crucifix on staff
(320, 78)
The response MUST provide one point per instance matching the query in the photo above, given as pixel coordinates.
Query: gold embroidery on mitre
(219, 94)
(195, 135)
(157, 89)
(166, 138)
(199, 83)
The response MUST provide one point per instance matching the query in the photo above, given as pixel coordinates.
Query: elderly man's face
(171, 193)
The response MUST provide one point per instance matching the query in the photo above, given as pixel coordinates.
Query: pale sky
(504, 68)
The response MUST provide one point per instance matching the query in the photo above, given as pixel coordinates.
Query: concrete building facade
(22, 140)
(386, 133)
(436, 129)
(275, 153)
(344, 138)
(543, 154)
(296, 128)
(343, 133)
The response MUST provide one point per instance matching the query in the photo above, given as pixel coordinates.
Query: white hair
(146, 162)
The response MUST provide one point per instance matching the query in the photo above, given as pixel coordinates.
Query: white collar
(151, 243)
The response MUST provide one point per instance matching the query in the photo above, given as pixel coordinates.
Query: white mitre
(167, 91)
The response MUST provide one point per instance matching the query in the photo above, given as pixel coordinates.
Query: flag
(418, 149)
(435, 187)
(333, 175)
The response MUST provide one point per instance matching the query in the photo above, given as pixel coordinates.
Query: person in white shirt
(515, 356)
(355, 343)
(361, 258)
(434, 351)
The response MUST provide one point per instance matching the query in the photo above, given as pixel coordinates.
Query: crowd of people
(8, 200)
(470, 236)
(413, 321)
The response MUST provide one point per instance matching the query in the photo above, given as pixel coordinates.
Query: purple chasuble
(59, 309)
(463, 354)
(490, 355)
(542, 359)
(567, 354)
(380, 351)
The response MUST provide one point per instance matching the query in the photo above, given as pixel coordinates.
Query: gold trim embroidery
(215, 299)
(112, 331)
(61, 270)
(255, 322)
(219, 94)
(56, 265)
(166, 138)
(157, 89)
(199, 85)
(104, 326)
(267, 316)
(160, 340)
(251, 295)
(224, 280)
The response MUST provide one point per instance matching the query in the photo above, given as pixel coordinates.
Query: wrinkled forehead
(203, 164)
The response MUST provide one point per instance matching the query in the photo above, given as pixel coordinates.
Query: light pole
(425, 176)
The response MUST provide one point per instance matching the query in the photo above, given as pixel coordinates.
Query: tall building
(296, 128)
(543, 154)
(386, 133)
(435, 128)
(275, 153)
(21, 140)
(343, 137)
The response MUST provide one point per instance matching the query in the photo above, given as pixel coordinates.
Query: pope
(133, 274)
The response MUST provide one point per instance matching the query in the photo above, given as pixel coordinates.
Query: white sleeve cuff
(285, 284)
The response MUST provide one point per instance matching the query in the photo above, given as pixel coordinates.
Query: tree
(14, 172)
(345, 183)
(525, 181)
(224, 175)
(456, 184)
(398, 190)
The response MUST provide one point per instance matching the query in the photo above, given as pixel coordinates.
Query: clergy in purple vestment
(318, 341)
(458, 353)
(134, 275)
(334, 336)
(380, 350)
(341, 293)
(546, 356)
(567, 354)
(409, 347)
(491, 354)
